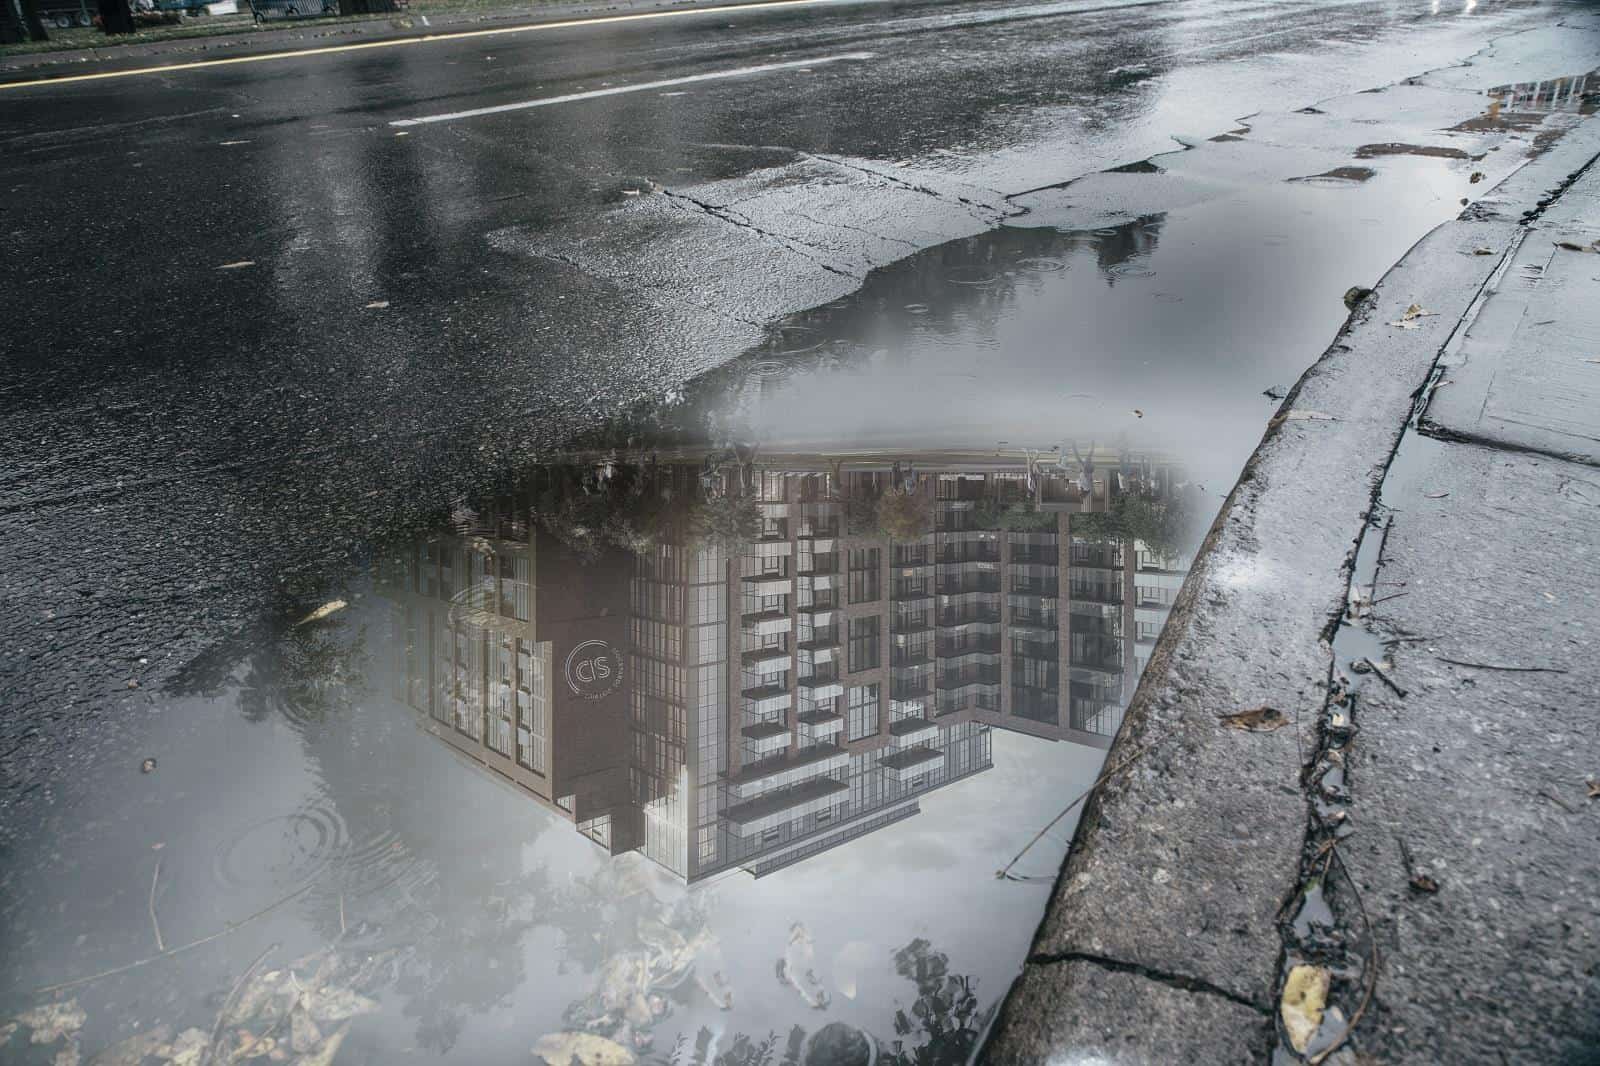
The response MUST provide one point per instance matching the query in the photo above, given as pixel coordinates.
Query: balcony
(767, 661)
(781, 808)
(822, 724)
(820, 689)
(771, 774)
(762, 693)
(767, 737)
(911, 593)
(908, 731)
(769, 585)
(909, 763)
(767, 623)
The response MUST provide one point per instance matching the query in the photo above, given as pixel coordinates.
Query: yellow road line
(530, 27)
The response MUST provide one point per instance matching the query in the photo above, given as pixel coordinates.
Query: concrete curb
(1183, 866)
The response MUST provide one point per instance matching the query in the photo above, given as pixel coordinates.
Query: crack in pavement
(788, 243)
(1172, 980)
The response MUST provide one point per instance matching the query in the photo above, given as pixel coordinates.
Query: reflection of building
(801, 682)
(486, 624)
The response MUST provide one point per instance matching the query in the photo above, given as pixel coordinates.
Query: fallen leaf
(1477, 176)
(324, 1055)
(52, 1021)
(1483, 251)
(1417, 311)
(1594, 787)
(1304, 996)
(1261, 719)
(582, 1049)
(1424, 883)
(240, 265)
(322, 612)
(187, 1049)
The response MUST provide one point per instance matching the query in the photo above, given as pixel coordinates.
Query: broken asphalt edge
(1168, 907)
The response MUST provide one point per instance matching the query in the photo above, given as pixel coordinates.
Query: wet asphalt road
(249, 326)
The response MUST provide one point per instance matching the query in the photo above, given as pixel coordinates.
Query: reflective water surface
(727, 733)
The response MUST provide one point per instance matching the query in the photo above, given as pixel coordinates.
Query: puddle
(705, 740)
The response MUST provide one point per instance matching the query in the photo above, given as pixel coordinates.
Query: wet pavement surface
(485, 584)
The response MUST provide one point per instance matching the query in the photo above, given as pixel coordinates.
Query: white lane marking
(644, 86)
(402, 42)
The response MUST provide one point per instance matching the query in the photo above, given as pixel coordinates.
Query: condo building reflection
(736, 662)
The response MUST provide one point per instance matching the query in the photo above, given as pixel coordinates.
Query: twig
(219, 934)
(1398, 691)
(1386, 599)
(1005, 871)
(1493, 666)
(1551, 795)
(1371, 967)
(227, 1005)
(160, 945)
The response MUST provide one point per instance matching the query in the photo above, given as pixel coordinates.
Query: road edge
(1183, 866)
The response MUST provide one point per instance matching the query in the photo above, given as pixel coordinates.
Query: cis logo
(594, 669)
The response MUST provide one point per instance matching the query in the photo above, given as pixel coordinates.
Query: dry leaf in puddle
(187, 1049)
(1304, 996)
(582, 1049)
(322, 612)
(1261, 719)
(52, 1021)
(324, 1055)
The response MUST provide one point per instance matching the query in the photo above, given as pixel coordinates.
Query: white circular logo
(594, 669)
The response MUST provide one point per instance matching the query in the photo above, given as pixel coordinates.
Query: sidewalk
(1417, 832)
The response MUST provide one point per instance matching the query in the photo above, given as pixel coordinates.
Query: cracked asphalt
(253, 326)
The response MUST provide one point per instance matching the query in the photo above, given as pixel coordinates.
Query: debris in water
(322, 612)
(148, 766)
(582, 1049)
(324, 1055)
(1304, 996)
(1354, 295)
(241, 264)
(1261, 719)
(52, 1021)
(796, 968)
